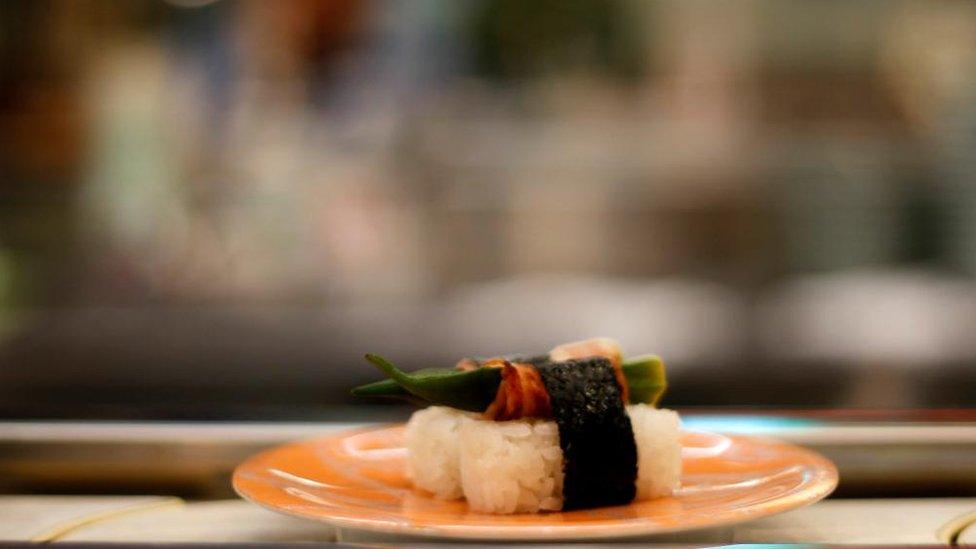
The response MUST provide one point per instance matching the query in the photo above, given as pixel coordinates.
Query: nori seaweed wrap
(595, 433)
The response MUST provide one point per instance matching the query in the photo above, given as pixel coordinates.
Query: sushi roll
(576, 428)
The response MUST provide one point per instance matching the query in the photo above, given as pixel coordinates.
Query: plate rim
(817, 489)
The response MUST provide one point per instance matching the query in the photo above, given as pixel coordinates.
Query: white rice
(658, 450)
(511, 466)
(506, 467)
(432, 451)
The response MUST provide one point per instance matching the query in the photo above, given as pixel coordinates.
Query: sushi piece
(576, 428)
(517, 466)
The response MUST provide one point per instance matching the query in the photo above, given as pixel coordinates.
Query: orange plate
(356, 480)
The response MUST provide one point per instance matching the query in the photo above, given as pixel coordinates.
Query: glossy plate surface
(356, 480)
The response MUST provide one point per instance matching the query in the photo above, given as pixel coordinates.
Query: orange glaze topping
(521, 393)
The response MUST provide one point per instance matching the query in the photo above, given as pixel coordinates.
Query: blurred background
(212, 209)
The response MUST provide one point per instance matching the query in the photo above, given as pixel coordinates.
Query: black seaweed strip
(595, 434)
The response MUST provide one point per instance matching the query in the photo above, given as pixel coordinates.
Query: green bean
(387, 389)
(471, 390)
(646, 379)
(474, 390)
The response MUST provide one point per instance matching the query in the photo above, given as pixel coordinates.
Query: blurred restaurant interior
(212, 209)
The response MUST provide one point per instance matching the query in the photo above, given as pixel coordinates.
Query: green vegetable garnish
(645, 379)
(474, 390)
(471, 390)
